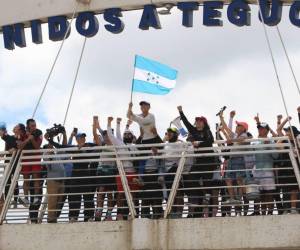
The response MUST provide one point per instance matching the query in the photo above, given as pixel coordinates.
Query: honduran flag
(153, 77)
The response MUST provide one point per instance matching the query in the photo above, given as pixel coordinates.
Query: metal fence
(172, 180)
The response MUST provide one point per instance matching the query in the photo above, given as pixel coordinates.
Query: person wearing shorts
(263, 173)
(236, 169)
(106, 184)
(32, 140)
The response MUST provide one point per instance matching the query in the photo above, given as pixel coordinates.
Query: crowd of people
(204, 179)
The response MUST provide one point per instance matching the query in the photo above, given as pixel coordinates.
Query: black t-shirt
(10, 142)
(84, 168)
(82, 151)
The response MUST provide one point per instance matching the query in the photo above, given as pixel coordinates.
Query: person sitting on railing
(287, 176)
(236, 169)
(106, 170)
(131, 175)
(264, 172)
(203, 138)
(146, 121)
(11, 147)
(55, 184)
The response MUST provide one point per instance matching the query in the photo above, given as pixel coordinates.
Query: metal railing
(134, 181)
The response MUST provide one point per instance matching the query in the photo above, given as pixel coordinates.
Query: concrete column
(142, 234)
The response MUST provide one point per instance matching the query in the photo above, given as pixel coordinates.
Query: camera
(37, 133)
(55, 130)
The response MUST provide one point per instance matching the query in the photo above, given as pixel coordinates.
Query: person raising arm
(96, 126)
(146, 121)
(282, 124)
(258, 123)
(200, 132)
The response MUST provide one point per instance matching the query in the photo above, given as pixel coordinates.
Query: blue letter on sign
(271, 15)
(14, 34)
(58, 26)
(84, 29)
(149, 18)
(294, 13)
(210, 13)
(238, 13)
(187, 9)
(112, 16)
(36, 31)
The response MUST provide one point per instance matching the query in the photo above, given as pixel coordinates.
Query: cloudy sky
(217, 66)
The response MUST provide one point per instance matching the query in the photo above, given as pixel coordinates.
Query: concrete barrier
(261, 232)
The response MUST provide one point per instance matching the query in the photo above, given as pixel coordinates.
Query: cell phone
(75, 131)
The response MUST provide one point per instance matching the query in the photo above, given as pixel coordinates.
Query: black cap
(263, 125)
(144, 103)
(79, 135)
(296, 132)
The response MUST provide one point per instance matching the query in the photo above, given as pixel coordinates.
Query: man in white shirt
(146, 122)
(147, 125)
(149, 135)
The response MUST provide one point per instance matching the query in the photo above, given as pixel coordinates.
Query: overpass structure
(267, 232)
(231, 228)
(16, 11)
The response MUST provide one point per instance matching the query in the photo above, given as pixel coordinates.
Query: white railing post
(8, 171)
(295, 165)
(11, 188)
(175, 185)
(125, 185)
(43, 208)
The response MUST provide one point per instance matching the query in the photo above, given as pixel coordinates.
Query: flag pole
(131, 91)
(131, 94)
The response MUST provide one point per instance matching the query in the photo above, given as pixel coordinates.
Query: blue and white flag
(153, 77)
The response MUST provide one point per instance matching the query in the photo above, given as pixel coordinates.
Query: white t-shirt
(169, 147)
(147, 124)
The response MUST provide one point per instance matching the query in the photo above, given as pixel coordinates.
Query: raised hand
(179, 108)
(110, 119)
(232, 113)
(256, 118)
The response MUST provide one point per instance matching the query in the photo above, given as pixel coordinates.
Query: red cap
(244, 124)
(201, 118)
